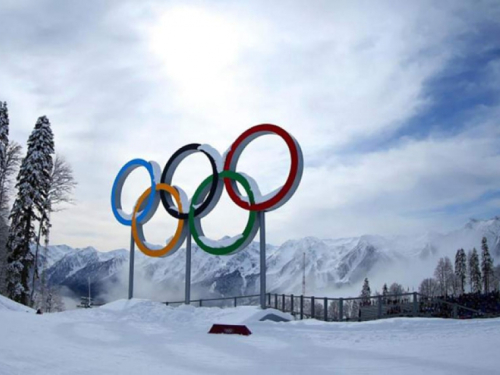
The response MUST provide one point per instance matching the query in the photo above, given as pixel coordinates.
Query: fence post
(325, 309)
(301, 307)
(455, 311)
(415, 304)
(283, 303)
(312, 307)
(201, 302)
(291, 303)
(276, 301)
(131, 269)
(341, 309)
(379, 308)
(269, 299)
(235, 301)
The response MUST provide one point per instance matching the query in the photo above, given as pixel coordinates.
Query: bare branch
(7, 171)
(62, 184)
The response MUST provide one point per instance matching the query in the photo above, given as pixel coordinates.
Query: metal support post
(312, 307)
(276, 301)
(131, 268)
(341, 309)
(379, 307)
(291, 304)
(415, 304)
(301, 307)
(283, 304)
(262, 231)
(325, 309)
(187, 298)
(235, 301)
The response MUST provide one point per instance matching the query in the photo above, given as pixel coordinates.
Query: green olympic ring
(195, 222)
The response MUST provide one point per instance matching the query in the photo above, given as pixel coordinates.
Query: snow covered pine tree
(4, 142)
(474, 272)
(366, 292)
(33, 182)
(486, 266)
(461, 270)
(385, 292)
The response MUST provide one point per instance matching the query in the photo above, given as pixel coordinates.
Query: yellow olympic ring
(178, 233)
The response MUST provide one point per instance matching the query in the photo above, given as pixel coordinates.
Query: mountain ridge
(332, 265)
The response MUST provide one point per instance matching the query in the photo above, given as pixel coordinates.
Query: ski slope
(144, 337)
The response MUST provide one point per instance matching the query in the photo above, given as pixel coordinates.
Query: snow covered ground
(144, 337)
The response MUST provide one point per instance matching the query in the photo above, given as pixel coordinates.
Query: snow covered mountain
(331, 266)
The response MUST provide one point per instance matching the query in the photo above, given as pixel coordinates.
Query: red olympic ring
(294, 175)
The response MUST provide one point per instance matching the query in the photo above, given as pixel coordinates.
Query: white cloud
(125, 81)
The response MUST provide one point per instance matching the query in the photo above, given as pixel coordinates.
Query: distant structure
(304, 275)
(86, 301)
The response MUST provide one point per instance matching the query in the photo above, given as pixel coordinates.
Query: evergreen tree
(9, 160)
(7, 170)
(496, 278)
(366, 292)
(385, 292)
(4, 130)
(461, 270)
(486, 265)
(33, 183)
(474, 272)
(4, 141)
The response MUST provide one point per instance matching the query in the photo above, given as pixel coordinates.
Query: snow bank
(144, 337)
(125, 304)
(149, 311)
(8, 304)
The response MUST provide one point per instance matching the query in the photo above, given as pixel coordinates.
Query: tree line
(393, 289)
(44, 180)
(471, 272)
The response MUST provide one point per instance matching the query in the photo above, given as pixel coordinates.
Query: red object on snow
(230, 329)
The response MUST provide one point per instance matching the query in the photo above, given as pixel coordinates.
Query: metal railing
(348, 309)
(369, 308)
(251, 300)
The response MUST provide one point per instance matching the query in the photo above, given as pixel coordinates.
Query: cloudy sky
(396, 106)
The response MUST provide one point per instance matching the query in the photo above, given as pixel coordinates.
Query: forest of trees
(471, 273)
(43, 181)
(393, 289)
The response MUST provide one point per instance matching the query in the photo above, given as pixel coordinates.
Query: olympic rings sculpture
(207, 195)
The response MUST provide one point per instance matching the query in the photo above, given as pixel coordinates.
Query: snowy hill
(331, 265)
(144, 337)
(9, 305)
